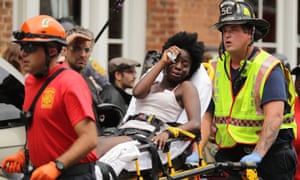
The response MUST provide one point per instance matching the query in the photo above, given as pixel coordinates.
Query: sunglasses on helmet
(29, 47)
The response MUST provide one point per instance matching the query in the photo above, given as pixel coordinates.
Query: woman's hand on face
(169, 56)
(160, 140)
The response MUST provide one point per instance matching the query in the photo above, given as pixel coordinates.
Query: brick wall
(166, 17)
(5, 19)
(5, 22)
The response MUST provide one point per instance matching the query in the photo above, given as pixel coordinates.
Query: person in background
(78, 56)
(122, 75)
(80, 45)
(296, 142)
(67, 23)
(92, 68)
(209, 53)
(12, 55)
(254, 100)
(283, 60)
(61, 131)
(151, 58)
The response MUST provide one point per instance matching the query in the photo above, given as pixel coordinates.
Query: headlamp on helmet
(19, 35)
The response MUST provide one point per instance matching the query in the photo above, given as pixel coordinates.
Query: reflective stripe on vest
(263, 69)
(248, 123)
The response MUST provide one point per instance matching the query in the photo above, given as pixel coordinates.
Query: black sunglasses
(29, 47)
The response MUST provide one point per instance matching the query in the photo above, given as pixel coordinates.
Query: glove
(253, 157)
(14, 163)
(192, 159)
(46, 172)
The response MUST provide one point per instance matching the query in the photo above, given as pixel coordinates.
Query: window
(266, 9)
(115, 30)
(72, 9)
(59, 9)
(298, 35)
(284, 34)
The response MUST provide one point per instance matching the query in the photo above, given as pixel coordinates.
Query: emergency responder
(254, 107)
(61, 131)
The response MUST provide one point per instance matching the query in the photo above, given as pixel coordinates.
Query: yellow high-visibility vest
(239, 119)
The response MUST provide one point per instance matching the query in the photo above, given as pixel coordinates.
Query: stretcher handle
(176, 131)
(214, 167)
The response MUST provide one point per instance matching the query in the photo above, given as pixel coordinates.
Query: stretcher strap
(106, 171)
(151, 119)
(156, 161)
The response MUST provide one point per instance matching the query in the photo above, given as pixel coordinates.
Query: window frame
(286, 30)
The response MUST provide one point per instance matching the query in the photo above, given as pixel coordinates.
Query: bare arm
(142, 88)
(273, 118)
(86, 141)
(206, 125)
(191, 103)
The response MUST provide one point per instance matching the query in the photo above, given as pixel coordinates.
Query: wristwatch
(59, 165)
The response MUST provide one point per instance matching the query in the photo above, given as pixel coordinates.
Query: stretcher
(209, 170)
(176, 168)
(203, 84)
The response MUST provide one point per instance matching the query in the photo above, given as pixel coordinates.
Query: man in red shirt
(61, 133)
(296, 142)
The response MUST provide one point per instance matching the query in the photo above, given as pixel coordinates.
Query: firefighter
(254, 107)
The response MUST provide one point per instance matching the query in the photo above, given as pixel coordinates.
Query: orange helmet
(42, 28)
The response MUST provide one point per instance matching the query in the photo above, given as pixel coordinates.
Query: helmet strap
(252, 36)
(45, 70)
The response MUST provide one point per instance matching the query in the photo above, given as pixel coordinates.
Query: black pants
(278, 164)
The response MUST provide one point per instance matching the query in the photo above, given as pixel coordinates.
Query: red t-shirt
(64, 102)
(296, 142)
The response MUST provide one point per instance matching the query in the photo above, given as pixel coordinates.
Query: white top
(162, 104)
